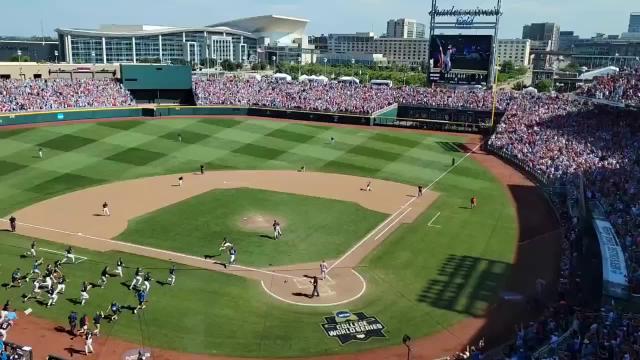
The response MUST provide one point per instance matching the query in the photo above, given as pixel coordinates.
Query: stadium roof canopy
(146, 30)
(255, 27)
(267, 24)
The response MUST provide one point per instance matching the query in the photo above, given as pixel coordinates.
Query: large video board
(460, 59)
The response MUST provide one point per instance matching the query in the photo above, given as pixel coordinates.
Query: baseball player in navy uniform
(142, 298)
(232, 256)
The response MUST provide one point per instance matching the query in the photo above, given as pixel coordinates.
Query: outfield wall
(389, 116)
(31, 118)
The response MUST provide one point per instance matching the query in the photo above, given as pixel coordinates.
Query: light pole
(299, 67)
(19, 61)
(55, 52)
(325, 66)
(273, 61)
(353, 67)
(93, 58)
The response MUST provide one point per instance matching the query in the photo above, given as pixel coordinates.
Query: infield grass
(314, 228)
(420, 281)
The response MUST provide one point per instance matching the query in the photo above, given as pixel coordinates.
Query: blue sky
(586, 17)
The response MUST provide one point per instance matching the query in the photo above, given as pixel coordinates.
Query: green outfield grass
(420, 281)
(314, 229)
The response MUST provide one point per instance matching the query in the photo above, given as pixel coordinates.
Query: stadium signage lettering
(465, 21)
(614, 269)
(354, 327)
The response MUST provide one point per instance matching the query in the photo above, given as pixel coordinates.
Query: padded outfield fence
(442, 119)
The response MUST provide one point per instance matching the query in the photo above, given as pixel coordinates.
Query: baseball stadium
(195, 215)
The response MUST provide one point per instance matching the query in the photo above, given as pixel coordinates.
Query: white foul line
(368, 236)
(82, 258)
(393, 223)
(402, 207)
(152, 249)
(432, 220)
(453, 167)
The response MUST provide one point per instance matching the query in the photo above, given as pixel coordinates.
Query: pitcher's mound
(260, 222)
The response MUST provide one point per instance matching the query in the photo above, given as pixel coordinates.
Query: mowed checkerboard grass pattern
(420, 281)
(84, 155)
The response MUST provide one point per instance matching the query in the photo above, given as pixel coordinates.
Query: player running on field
(62, 285)
(474, 202)
(35, 269)
(119, 266)
(53, 297)
(115, 309)
(32, 251)
(232, 256)
(172, 275)
(84, 293)
(147, 281)
(69, 256)
(137, 278)
(16, 279)
(142, 299)
(104, 275)
(35, 292)
(225, 245)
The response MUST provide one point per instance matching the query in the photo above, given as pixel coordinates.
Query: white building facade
(405, 28)
(400, 51)
(515, 50)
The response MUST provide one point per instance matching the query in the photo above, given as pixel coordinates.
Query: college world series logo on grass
(346, 326)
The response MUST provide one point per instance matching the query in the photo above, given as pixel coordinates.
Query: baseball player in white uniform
(225, 245)
(119, 265)
(323, 269)
(53, 297)
(68, 255)
(137, 280)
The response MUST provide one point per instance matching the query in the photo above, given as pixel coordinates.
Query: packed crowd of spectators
(53, 94)
(336, 97)
(622, 87)
(564, 139)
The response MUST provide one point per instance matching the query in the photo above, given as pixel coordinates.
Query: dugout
(158, 84)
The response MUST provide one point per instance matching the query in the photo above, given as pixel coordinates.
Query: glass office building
(241, 41)
(143, 44)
